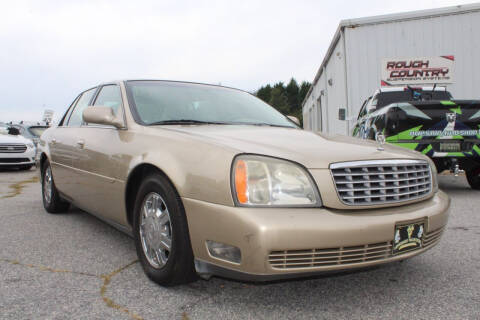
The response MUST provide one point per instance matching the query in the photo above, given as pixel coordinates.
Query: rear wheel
(161, 233)
(473, 178)
(51, 198)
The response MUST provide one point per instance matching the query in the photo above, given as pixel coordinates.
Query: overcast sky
(52, 50)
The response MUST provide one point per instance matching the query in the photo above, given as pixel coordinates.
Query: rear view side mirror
(294, 119)
(101, 115)
(342, 114)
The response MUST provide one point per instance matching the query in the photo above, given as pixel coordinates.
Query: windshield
(163, 102)
(37, 131)
(385, 98)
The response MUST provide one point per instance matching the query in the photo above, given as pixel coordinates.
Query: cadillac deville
(210, 180)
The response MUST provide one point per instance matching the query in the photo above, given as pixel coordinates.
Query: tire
(473, 178)
(156, 191)
(51, 200)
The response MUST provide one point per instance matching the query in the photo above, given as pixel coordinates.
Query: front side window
(362, 109)
(76, 119)
(109, 96)
(164, 102)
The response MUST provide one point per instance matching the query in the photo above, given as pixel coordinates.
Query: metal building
(351, 69)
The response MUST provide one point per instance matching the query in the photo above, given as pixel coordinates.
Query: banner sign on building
(423, 70)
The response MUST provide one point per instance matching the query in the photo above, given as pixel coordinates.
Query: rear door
(62, 145)
(99, 162)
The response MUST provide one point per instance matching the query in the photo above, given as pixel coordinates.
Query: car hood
(9, 138)
(310, 149)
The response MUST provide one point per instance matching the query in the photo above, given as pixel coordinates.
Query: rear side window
(109, 96)
(67, 114)
(76, 118)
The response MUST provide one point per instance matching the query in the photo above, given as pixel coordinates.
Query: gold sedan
(210, 180)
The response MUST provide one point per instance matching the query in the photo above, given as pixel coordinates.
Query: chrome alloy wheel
(47, 185)
(155, 230)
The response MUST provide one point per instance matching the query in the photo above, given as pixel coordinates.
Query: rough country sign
(426, 70)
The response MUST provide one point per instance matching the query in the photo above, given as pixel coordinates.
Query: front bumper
(263, 233)
(18, 159)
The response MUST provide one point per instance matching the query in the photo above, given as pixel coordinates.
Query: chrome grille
(329, 257)
(12, 148)
(432, 238)
(381, 181)
(313, 258)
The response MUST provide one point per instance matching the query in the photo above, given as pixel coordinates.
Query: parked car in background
(16, 151)
(3, 128)
(428, 120)
(211, 180)
(31, 131)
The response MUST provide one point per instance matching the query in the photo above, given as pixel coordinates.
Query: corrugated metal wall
(367, 45)
(320, 110)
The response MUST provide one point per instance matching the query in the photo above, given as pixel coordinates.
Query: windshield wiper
(264, 124)
(184, 121)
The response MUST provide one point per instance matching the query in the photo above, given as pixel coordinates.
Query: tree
(279, 101)
(304, 87)
(264, 93)
(291, 92)
(286, 99)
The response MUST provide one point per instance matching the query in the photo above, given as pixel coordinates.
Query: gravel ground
(75, 266)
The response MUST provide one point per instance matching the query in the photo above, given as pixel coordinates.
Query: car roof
(403, 88)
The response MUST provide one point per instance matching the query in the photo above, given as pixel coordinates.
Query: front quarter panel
(198, 170)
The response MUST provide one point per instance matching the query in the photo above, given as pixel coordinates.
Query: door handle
(54, 141)
(81, 143)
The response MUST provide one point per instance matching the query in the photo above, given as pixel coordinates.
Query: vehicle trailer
(445, 130)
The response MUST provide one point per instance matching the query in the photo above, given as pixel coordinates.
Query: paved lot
(75, 266)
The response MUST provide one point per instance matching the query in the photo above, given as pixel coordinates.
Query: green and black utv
(427, 120)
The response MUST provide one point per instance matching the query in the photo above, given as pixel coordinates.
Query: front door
(99, 162)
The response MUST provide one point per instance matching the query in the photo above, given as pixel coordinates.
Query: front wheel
(473, 178)
(51, 198)
(161, 233)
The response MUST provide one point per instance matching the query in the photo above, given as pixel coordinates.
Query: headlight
(265, 181)
(30, 145)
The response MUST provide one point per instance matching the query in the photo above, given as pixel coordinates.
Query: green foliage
(264, 93)
(292, 90)
(286, 99)
(279, 101)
